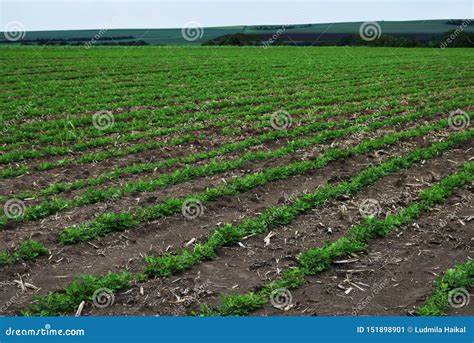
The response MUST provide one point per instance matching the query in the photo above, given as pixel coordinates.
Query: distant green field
(174, 36)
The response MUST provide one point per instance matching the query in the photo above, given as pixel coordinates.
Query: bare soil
(237, 269)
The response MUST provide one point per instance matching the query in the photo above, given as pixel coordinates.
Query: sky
(39, 15)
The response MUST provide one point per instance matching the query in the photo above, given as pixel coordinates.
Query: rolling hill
(312, 33)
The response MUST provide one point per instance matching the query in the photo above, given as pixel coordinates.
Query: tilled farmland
(236, 181)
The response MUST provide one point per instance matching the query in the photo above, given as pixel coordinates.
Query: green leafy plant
(28, 250)
(81, 289)
(453, 283)
(316, 260)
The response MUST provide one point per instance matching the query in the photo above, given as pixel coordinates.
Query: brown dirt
(51, 224)
(404, 264)
(37, 179)
(243, 269)
(47, 229)
(119, 251)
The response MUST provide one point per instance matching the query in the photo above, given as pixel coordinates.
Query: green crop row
(282, 215)
(358, 67)
(28, 250)
(61, 302)
(171, 96)
(193, 87)
(451, 288)
(109, 222)
(316, 260)
(19, 155)
(224, 149)
(140, 119)
(151, 75)
(318, 65)
(91, 157)
(100, 156)
(143, 119)
(16, 171)
(82, 289)
(93, 195)
(122, 128)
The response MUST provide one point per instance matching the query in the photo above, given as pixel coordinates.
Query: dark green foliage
(457, 38)
(4, 258)
(275, 215)
(316, 260)
(460, 278)
(313, 260)
(28, 250)
(279, 215)
(237, 39)
(82, 289)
